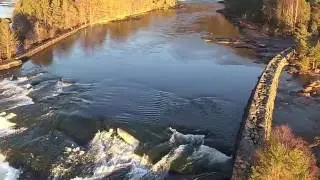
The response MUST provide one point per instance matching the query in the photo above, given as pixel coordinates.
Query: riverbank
(310, 92)
(23, 56)
(253, 37)
(141, 75)
(264, 40)
(34, 50)
(257, 118)
(10, 64)
(259, 39)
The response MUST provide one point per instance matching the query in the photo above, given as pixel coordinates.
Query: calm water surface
(154, 70)
(6, 8)
(144, 74)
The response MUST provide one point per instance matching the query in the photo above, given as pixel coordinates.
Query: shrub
(284, 156)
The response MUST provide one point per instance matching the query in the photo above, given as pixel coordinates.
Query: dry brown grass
(284, 157)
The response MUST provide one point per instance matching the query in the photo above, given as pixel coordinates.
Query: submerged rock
(112, 154)
(37, 156)
(80, 128)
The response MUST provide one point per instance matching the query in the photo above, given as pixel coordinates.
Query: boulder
(292, 70)
(4, 123)
(127, 137)
(313, 89)
(188, 160)
(308, 89)
(10, 116)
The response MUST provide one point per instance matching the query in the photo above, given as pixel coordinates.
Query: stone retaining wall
(257, 118)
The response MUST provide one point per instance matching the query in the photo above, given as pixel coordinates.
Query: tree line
(36, 21)
(8, 40)
(297, 18)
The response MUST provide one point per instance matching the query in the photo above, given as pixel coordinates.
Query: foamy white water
(14, 93)
(112, 154)
(6, 171)
(57, 90)
(6, 126)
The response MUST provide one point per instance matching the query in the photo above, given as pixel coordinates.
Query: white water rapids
(114, 155)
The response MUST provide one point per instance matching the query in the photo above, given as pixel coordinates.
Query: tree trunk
(293, 17)
(296, 13)
(313, 64)
(8, 53)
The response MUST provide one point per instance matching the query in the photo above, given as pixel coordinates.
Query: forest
(36, 21)
(299, 19)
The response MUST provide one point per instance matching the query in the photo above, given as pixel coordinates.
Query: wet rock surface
(311, 90)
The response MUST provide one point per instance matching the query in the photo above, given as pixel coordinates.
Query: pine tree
(8, 41)
(315, 56)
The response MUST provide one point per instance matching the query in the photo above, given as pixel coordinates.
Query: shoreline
(34, 50)
(20, 58)
(254, 37)
(10, 64)
(309, 90)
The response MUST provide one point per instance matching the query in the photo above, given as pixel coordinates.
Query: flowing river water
(154, 77)
(6, 8)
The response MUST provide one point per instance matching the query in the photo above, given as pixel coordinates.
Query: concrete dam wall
(257, 118)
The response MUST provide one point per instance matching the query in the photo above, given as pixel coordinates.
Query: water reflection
(65, 46)
(155, 69)
(44, 58)
(150, 72)
(92, 38)
(188, 19)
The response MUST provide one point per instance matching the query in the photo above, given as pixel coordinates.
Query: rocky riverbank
(261, 39)
(10, 64)
(311, 90)
(253, 37)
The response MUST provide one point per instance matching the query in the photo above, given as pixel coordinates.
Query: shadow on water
(143, 75)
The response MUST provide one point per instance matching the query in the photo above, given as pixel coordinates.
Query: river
(6, 8)
(152, 76)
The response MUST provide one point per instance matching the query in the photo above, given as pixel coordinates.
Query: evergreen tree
(8, 41)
